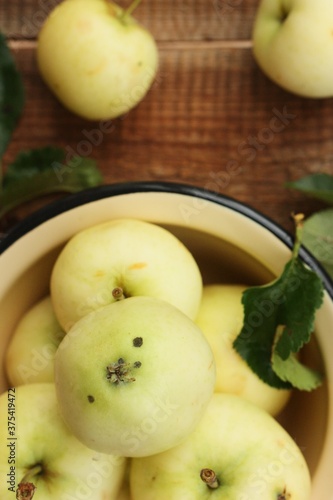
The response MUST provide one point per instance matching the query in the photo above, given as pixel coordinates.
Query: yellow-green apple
(37, 448)
(96, 58)
(293, 45)
(133, 378)
(220, 317)
(127, 255)
(30, 353)
(237, 451)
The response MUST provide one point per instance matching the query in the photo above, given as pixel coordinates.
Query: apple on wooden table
(125, 257)
(237, 451)
(293, 45)
(96, 58)
(220, 318)
(134, 378)
(37, 448)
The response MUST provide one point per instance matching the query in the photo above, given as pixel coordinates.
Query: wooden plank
(211, 119)
(166, 19)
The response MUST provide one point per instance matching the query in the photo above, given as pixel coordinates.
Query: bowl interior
(229, 247)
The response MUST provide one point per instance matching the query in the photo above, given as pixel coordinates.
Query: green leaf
(256, 338)
(318, 237)
(319, 186)
(287, 305)
(29, 163)
(11, 95)
(303, 291)
(299, 375)
(43, 171)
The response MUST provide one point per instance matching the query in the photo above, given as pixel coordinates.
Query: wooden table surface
(211, 119)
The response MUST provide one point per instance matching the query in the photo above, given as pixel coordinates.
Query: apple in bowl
(127, 257)
(231, 244)
(30, 353)
(237, 451)
(220, 318)
(134, 378)
(37, 449)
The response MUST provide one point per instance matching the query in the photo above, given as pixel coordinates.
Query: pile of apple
(127, 385)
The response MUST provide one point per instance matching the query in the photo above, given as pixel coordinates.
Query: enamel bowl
(231, 243)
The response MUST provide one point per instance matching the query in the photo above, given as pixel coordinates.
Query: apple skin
(98, 64)
(220, 318)
(140, 257)
(250, 452)
(70, 469)
(293, 45)
(30, 353)
(170, 379)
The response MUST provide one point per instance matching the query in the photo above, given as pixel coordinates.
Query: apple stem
(298, 221)
(26, 489)
(127, 12)
(120, 372)
(208, 476)
(118, 293)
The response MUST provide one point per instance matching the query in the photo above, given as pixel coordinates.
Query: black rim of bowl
(109, 190)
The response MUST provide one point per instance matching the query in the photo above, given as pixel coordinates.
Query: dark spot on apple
(138, 341)
(137, 364)
(284, 14)
(91, 399)
(284, 495)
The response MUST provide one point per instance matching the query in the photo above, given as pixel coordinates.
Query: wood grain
(166, 19)
(211, 119)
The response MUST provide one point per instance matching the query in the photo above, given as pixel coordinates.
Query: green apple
(96, 58)
(220, 317)
(36, 447)
(126, 255)
(237, 451)
(133, 378)
(293, 45)
(30, 353)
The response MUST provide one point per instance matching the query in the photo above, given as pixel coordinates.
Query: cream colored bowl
(231, 243)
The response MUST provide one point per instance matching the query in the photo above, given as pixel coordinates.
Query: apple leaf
(319, 186)
(278, 322)
(299, 375)
(318, 237)
(43, 171)
(11, 95)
